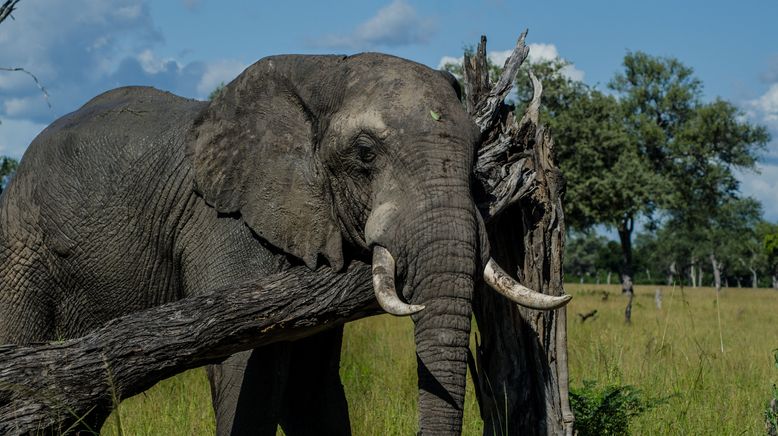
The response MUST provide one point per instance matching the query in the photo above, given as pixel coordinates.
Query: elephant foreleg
(248, 390)
(315, 400)
(294, 384)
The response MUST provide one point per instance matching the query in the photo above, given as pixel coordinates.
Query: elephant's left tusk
(498, 279)
(383, 285)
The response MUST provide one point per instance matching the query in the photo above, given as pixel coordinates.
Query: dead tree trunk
(47, 388)
(522, 379)
(625, 236)
(717, 266)
(671, 272)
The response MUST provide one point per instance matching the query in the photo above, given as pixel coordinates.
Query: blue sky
(79, 48)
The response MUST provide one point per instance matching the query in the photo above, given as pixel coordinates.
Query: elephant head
(334, 157)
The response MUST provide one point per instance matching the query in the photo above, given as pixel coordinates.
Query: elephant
(142, 197)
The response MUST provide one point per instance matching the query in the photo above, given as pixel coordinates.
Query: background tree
(770, 247)
(7, 170)
(582, 253)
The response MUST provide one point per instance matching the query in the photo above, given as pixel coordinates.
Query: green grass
(672, 353)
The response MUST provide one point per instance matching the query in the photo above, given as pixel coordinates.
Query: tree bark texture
(521, 374)
(47, 388)
(522, 378)
(625, 237)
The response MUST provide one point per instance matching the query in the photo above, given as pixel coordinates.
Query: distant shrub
(607, 410)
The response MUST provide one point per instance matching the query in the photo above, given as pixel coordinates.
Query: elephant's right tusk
(498, 279)
(383, 285)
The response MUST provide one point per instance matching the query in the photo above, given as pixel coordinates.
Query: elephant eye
(365, 149)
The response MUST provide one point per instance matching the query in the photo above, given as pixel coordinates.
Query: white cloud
(446, 60)
(763, 186)
(394, 25)
(542, 52)
(537, 53)
(27, 107)
(81, 48)
(154, 65)
(549, 52)
(765, 108)
(499, 57)
(16, 135)
(216, 73)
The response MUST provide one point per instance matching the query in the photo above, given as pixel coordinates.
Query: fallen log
(50, 388)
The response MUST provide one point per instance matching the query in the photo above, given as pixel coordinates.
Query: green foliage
(651, 146)
(771, 243)
(607, 410)
(587, 254)
(216, 91)
(7, 169)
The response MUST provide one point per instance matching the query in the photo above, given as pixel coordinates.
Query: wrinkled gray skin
(142, 197)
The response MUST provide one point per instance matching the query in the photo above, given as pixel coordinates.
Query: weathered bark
(45, 388)
(522, 379)
(693, 272)
(671, 272)
(609, 278)
(625, 236)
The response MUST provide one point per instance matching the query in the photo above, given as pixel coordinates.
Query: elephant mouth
(493, 275)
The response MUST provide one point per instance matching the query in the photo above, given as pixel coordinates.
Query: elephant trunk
(441, 277)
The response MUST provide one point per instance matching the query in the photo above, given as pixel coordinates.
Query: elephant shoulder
(93, 157)
(116, 127)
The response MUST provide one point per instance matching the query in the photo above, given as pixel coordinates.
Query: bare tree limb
(49, 387)
(37, 82)
(6, 9)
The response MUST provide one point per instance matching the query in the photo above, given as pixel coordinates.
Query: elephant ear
(253, 152)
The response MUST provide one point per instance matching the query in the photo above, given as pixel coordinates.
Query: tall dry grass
(672, 353)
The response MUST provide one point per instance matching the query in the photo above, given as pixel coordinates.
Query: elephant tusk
(501, 282)
(383, 285)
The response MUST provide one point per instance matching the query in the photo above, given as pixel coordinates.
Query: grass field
(672, 353)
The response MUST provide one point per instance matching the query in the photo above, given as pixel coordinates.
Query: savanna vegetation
(679, 380)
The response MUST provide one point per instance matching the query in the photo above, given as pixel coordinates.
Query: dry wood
(522, 378)
(49, 387)
(6, 8)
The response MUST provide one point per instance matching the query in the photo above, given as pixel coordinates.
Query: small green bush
(607, 410)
